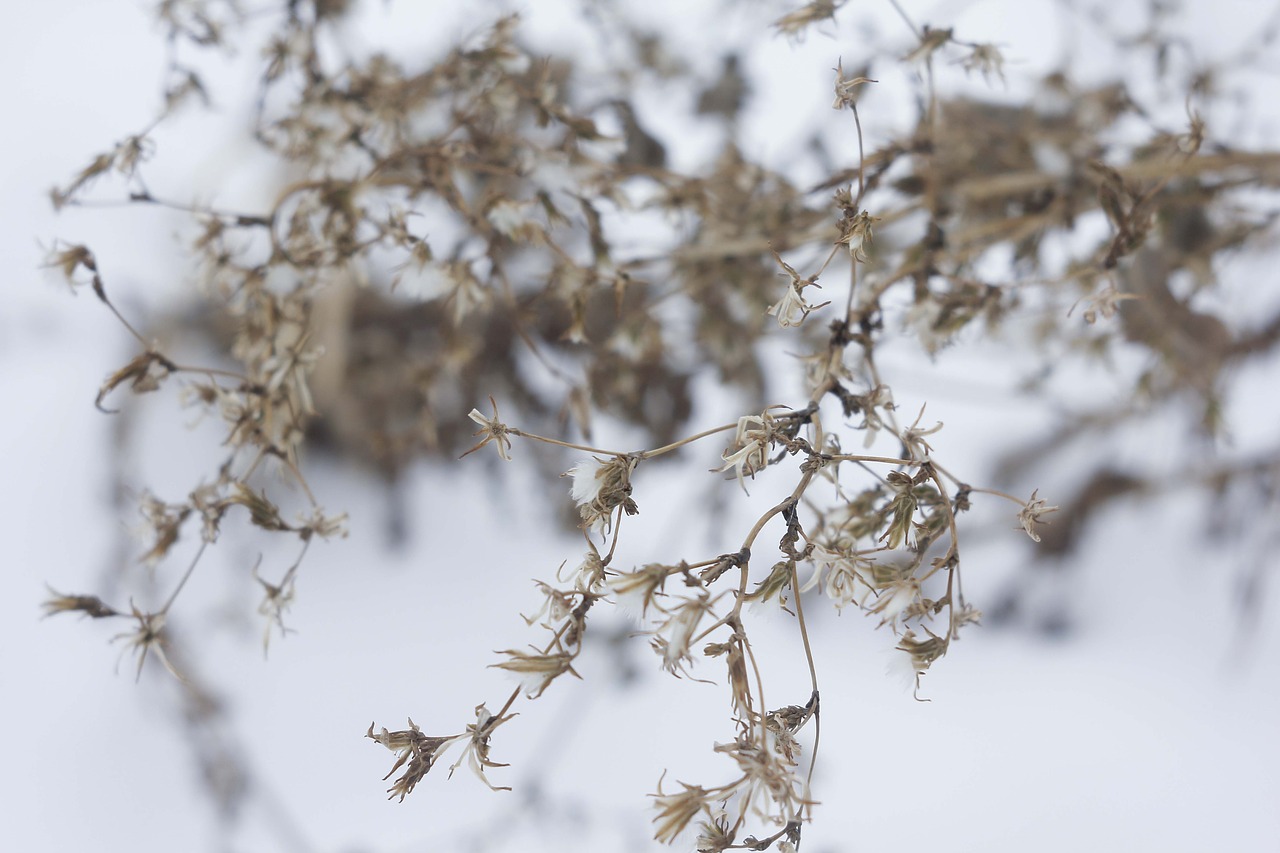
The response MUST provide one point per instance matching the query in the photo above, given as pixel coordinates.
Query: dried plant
(348, 325)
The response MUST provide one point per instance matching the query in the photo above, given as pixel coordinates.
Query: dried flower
(600, 486)
(793, 24)
(987, 59)
(162, 524)
(89, 605)
(262, 512)
(413, 748)
(930, 40)
(917, 656)
(636, 590)
(736, 665)
(791, 310)
(316, 523)
(144, 375)
(676, 633)
(894, 598)
(879, 397)
(493, 430)
(675, 811)
(914, 438)
(749, 452)
(513, 219)
(476, 752)
(1105, 302)
(1032, 513)
(716, 836)
(465, 291)
(842, 581)
(275, 601)
(845, 88)
(774, 584)
(556, 604)
(537, 670)
(855, 234)
(148, 636)
(767, 779)
(902, 526)
(69, 260)
(589, 576)
(925, 318)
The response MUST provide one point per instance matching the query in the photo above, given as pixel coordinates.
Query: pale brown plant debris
(796, 22)
(89, 605)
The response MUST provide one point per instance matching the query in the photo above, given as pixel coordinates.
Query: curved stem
(648, 454)
(999, 494)
(186, 575)
(558, 443)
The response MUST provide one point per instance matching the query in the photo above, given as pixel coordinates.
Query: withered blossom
(536, 671)
(855, 234)
(879, 397)
(144, 374)
(930, 40)
(774, 585)
(676, 811)
(846, 88)
(317, 523)
(902, 525)
(893, 599)
(839, 575)
(636, 590)
(69, 260)
(792, 309)
(601, 486)
(913, 439)
(493, 430)
(162, 525)
(794, 23)
(1105, 303)
(476, 752)
(736, 664)
(556, 604)
(148, 637)
(275, 602)
(768, 787)
(89, 605)
(677, 632)
(913, 657)
(749, 452)
(1032, 513)
(589, 576)
(412, 748)
(716, 834)
(987, 59)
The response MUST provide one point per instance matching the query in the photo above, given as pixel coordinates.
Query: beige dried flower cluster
(349, 327)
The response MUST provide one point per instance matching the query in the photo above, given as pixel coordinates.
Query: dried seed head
(846, 88)
(930, 40)
(493, 430)
(987, 59)
(89, 605)
(601, 486)
(536, 671)
(1032, 513)
(675, 811)
(794, 24)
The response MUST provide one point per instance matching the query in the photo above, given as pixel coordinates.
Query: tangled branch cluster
(351, 324)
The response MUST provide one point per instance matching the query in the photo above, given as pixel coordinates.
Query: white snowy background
(1151, 725)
